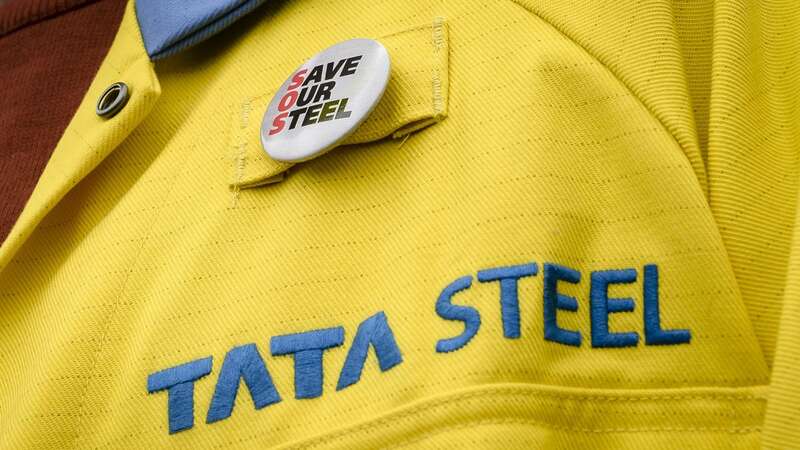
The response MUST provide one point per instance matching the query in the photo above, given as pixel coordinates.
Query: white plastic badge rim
(359, 86)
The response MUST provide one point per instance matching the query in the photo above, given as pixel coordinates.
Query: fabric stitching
(116, 303)
(438, 43)
(647, 108)
(240, 153)
(426, 436)
(444, 402)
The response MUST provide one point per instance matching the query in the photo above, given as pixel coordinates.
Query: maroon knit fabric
(50, 51)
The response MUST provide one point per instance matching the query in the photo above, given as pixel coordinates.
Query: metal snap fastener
(112, 100)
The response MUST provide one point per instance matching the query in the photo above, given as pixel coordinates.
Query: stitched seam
(426, 436)
(406, 119)
(240, 151)
(620, 81)
(390, 418)
(239, 161)
(438, 43)
(472, 423)
(117, 301)
(493, 393)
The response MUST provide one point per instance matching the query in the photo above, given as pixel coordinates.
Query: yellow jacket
(566, 225)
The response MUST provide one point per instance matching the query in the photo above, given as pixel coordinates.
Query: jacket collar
(170, 26)
(150, 30)
(88, 139)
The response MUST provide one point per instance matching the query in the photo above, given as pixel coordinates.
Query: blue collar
(171, 26)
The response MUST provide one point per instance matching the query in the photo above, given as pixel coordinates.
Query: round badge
(325, 100)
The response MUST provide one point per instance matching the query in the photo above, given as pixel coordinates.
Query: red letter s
(278, 123)
(297, 79)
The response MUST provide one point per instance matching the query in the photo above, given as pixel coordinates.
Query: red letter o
(287, 101)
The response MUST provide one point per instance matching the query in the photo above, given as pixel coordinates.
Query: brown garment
(49, 53)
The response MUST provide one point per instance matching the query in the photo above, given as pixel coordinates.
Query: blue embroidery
(374, 331)
(467, 314)
(179, 382)
(653, 334)
(509, 298)
(553, 301)
(602, 306)
(307, 349)
(241, 362)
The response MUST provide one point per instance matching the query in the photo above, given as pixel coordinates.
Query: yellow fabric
(596, 135)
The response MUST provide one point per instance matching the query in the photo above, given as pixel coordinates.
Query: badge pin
(325, 100)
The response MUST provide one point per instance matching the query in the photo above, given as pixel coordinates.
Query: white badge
(325, 100)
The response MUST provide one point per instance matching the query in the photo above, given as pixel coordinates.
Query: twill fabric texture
(565, 225)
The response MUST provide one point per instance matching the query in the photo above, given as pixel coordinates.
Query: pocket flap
(415, 98)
